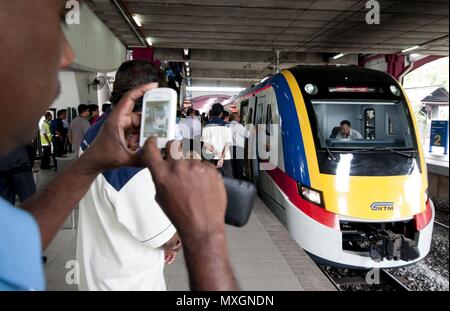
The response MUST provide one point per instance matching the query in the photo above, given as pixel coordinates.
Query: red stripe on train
(290, 187)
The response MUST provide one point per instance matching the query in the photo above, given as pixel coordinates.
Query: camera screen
(156, 119)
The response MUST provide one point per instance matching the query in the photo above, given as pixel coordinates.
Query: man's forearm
(224, 151)
(208, 264)
(53, 204)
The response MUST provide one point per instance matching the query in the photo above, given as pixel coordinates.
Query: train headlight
(311, 89)
(395, 90)
(311, 195)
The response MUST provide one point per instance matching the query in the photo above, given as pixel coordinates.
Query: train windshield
(363, 124)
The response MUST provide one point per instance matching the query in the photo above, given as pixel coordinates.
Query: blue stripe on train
(295, 162)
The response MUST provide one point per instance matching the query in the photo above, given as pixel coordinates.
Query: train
(348, 176)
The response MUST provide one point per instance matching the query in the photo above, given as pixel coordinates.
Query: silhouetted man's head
(132, 74)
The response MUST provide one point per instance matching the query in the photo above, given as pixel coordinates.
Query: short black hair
(61, 112)
(105, 107)
(93, 108)
(216, 110)
(346, 122)
(82, 108)
(189, 111)
(197, 113)
(132, 74)
(225, 114)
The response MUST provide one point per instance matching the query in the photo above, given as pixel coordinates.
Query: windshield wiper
(408, 155)
(330, 154)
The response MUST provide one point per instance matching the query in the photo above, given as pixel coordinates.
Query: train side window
(244, 109)
(269, 120)
(250, 116)
(369, 123)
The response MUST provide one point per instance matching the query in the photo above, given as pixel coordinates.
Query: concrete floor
(263, 256)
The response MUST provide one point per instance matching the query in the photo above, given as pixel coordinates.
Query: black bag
(241, 197)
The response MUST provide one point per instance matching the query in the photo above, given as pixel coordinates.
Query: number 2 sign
(439, 135)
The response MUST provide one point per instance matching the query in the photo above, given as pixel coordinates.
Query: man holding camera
(36, 26)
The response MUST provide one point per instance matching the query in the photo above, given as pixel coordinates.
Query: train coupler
(393, 246)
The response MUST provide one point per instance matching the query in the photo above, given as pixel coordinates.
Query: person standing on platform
(226, 117)
(59, 133)
(124, 237)
(217, 140)
(78, 128)
(94, 114)
(105, 108)
(239, 133)
(46, 141)
(194, 124)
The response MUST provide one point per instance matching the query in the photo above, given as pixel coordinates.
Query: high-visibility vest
(46, 125)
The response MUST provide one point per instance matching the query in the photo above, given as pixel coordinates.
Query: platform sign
(439, 135)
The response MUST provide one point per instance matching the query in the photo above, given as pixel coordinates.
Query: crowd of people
(220, 137)
(59, 137)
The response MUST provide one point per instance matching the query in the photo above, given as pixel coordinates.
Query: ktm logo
(382, 206)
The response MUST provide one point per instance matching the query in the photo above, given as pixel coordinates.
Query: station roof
(439, 96)
(242, 34)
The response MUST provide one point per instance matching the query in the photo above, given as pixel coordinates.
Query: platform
(263, 256)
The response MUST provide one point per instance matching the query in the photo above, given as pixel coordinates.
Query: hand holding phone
(159, 116)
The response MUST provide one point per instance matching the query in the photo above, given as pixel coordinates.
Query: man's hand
(117, 143)
(220, 163)
(193, 196)
(190, 192)
(169, 256)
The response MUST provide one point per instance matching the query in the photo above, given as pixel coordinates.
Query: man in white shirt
(217, 140)
(194, 124)
(124, 238)
(347, 132)
(239, 133)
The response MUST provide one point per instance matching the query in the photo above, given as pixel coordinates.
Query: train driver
(346, 131)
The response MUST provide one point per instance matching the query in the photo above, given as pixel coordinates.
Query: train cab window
(365, 130)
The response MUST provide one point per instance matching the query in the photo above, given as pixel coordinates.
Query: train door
(259, 119)
(249, 148)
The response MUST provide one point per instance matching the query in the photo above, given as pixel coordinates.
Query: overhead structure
(225, 37)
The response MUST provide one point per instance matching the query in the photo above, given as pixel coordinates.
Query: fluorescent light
(149, 41)
(337, 56)
(137, 20)
(187, 64)
(214, 89)
(188, 69)
(188, 74)
(186, 52)
(411, 49)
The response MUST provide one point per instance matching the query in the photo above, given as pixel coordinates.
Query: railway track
(356, 280)
(441, 224)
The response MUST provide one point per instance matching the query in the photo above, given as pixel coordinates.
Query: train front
(367, 188)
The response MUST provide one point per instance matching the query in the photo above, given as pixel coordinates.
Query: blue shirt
(20, 250)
